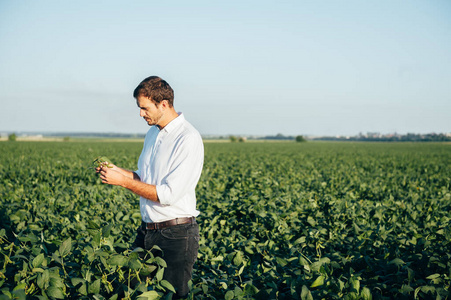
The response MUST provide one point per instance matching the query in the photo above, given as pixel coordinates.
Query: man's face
(149, 110)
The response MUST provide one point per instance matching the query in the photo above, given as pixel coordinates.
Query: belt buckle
(150, 226)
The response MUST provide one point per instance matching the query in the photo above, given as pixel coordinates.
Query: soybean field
(278, 221)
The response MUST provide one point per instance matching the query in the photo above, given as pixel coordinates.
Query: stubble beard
(154, 121)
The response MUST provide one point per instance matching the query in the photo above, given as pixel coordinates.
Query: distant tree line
(299, 138)
(279, 136)
(97, 135)
(410, 137)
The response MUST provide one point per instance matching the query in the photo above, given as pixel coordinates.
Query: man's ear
(165, 103)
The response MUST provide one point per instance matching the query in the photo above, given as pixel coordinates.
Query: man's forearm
(140, 188)
(128, 173)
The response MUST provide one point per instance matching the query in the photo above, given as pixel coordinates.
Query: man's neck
(168, 118)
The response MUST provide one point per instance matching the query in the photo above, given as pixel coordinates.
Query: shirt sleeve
(141, 156)
(184, 172)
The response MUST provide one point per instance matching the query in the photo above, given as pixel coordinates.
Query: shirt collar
(174, 123)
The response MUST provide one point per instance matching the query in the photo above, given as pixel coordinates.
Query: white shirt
(172, 160)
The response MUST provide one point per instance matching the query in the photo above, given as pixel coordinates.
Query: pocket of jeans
(175, 232)
(193, 248)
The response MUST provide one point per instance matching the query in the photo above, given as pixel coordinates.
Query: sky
(237, 67)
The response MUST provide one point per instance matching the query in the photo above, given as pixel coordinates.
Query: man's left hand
(110, 176)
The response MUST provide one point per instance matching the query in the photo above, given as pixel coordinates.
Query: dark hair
(156, 89)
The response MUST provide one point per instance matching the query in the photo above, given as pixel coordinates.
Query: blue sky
(237, 67)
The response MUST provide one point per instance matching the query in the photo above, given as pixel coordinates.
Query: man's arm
(125, 172)
(129, 180)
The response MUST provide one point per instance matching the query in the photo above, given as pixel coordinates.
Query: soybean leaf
(238, 259)
(167, 285)
(65, 247)
(135, 264)
(306, 294)
(318, 281)
(106, 230)
(118, 260)
(94, 287)
(150, 295)
(38, 260)
(55, 292)
(229, 295)
(159, 274)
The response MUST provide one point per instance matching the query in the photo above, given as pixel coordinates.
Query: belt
(173, 222)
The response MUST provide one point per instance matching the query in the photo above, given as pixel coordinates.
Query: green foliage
(101, 161)
(64, 234)
(233, 138)
(278, 221)
(300, 139)
(12, 137)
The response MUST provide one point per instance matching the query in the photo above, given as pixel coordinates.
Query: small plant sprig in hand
(102, 161)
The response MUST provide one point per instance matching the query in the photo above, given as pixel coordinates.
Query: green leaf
(76, 280)
(316, 266)
(56, 281)
(43, 279)
(38, 260)
(65, 247)
(147, 270)
(223, 285)
(37, 270)
(56, 256)
(161, 262)
(55, 292)
(217, 258)
(92, 225)
(159, 274)
(238, 259)
(365, 294)
(306, 294)
(355, 284)
(135, 264)
(94, 287)
(318, 282)
(240, 271)
(410, 274)
(433, 276)
(118, 260)
(250, 289)
(427, 288)
(406, 289)
(150, 295)
(167, 285)
(19, 294)
(281, 261)
(106, 230)
(96, 239)
(80, 284)
(397, 262)
(300, 240)
(229, 295)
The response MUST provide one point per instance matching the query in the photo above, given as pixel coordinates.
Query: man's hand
(104, 166)
(111, 175)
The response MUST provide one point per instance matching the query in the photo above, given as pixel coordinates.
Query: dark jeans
(179, 244)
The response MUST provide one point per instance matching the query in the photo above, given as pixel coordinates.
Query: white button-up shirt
(172, 160)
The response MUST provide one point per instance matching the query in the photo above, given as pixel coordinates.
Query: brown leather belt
(173, 222)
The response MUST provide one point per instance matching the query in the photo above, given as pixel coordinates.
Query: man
(169, 168)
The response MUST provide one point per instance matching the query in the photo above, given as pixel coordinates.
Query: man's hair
(156, 89)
